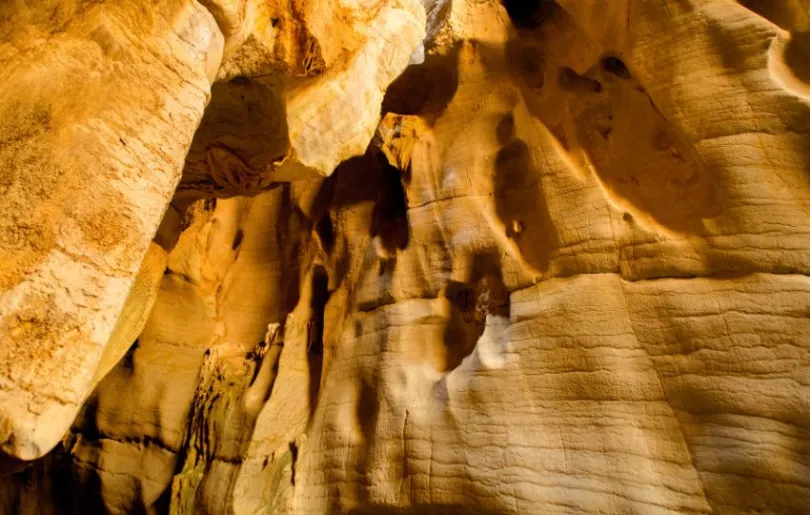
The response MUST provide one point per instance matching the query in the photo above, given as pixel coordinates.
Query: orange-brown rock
(468, 256)
(99, 104)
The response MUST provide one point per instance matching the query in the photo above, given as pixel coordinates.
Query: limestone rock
(99, 103)
(311, 102)
(483, 257)
(99, 107)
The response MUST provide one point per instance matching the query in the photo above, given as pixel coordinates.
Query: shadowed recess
(471, 302)
(519, 198)
(794, 17)
(320, 296)
(425, 89)
(615, 66)
(390, 215)
(641, 159)
(530, 14)
(242, 132)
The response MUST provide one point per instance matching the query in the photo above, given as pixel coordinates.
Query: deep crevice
(390, 216)
(530, 14)
(318, 301)
(484, 294)
(615, 66)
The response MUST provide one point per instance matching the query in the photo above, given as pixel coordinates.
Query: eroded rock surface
(460, 256)
(100, 103)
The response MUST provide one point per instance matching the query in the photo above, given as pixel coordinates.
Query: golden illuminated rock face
(392, 256)
(100, 105)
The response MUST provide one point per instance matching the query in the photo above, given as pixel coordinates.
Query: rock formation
(402, 256)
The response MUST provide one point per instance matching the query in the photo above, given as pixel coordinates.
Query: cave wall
(522, 257)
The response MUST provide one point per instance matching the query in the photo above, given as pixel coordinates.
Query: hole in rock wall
(389, 224)
(471, 302)
(530, 14)
(615, 66)
(243, 130)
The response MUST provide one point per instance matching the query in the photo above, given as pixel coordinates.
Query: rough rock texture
(99, 102)
(99, 105)
(461, 256)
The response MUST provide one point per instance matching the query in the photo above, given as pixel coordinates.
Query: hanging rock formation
(100, 105)
(392, 256)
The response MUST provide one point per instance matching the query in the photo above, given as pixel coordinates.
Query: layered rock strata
(452, 257)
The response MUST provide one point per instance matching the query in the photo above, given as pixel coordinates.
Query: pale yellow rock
(135, 312)
(569, 273)
(99, 103)
(306, 98)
